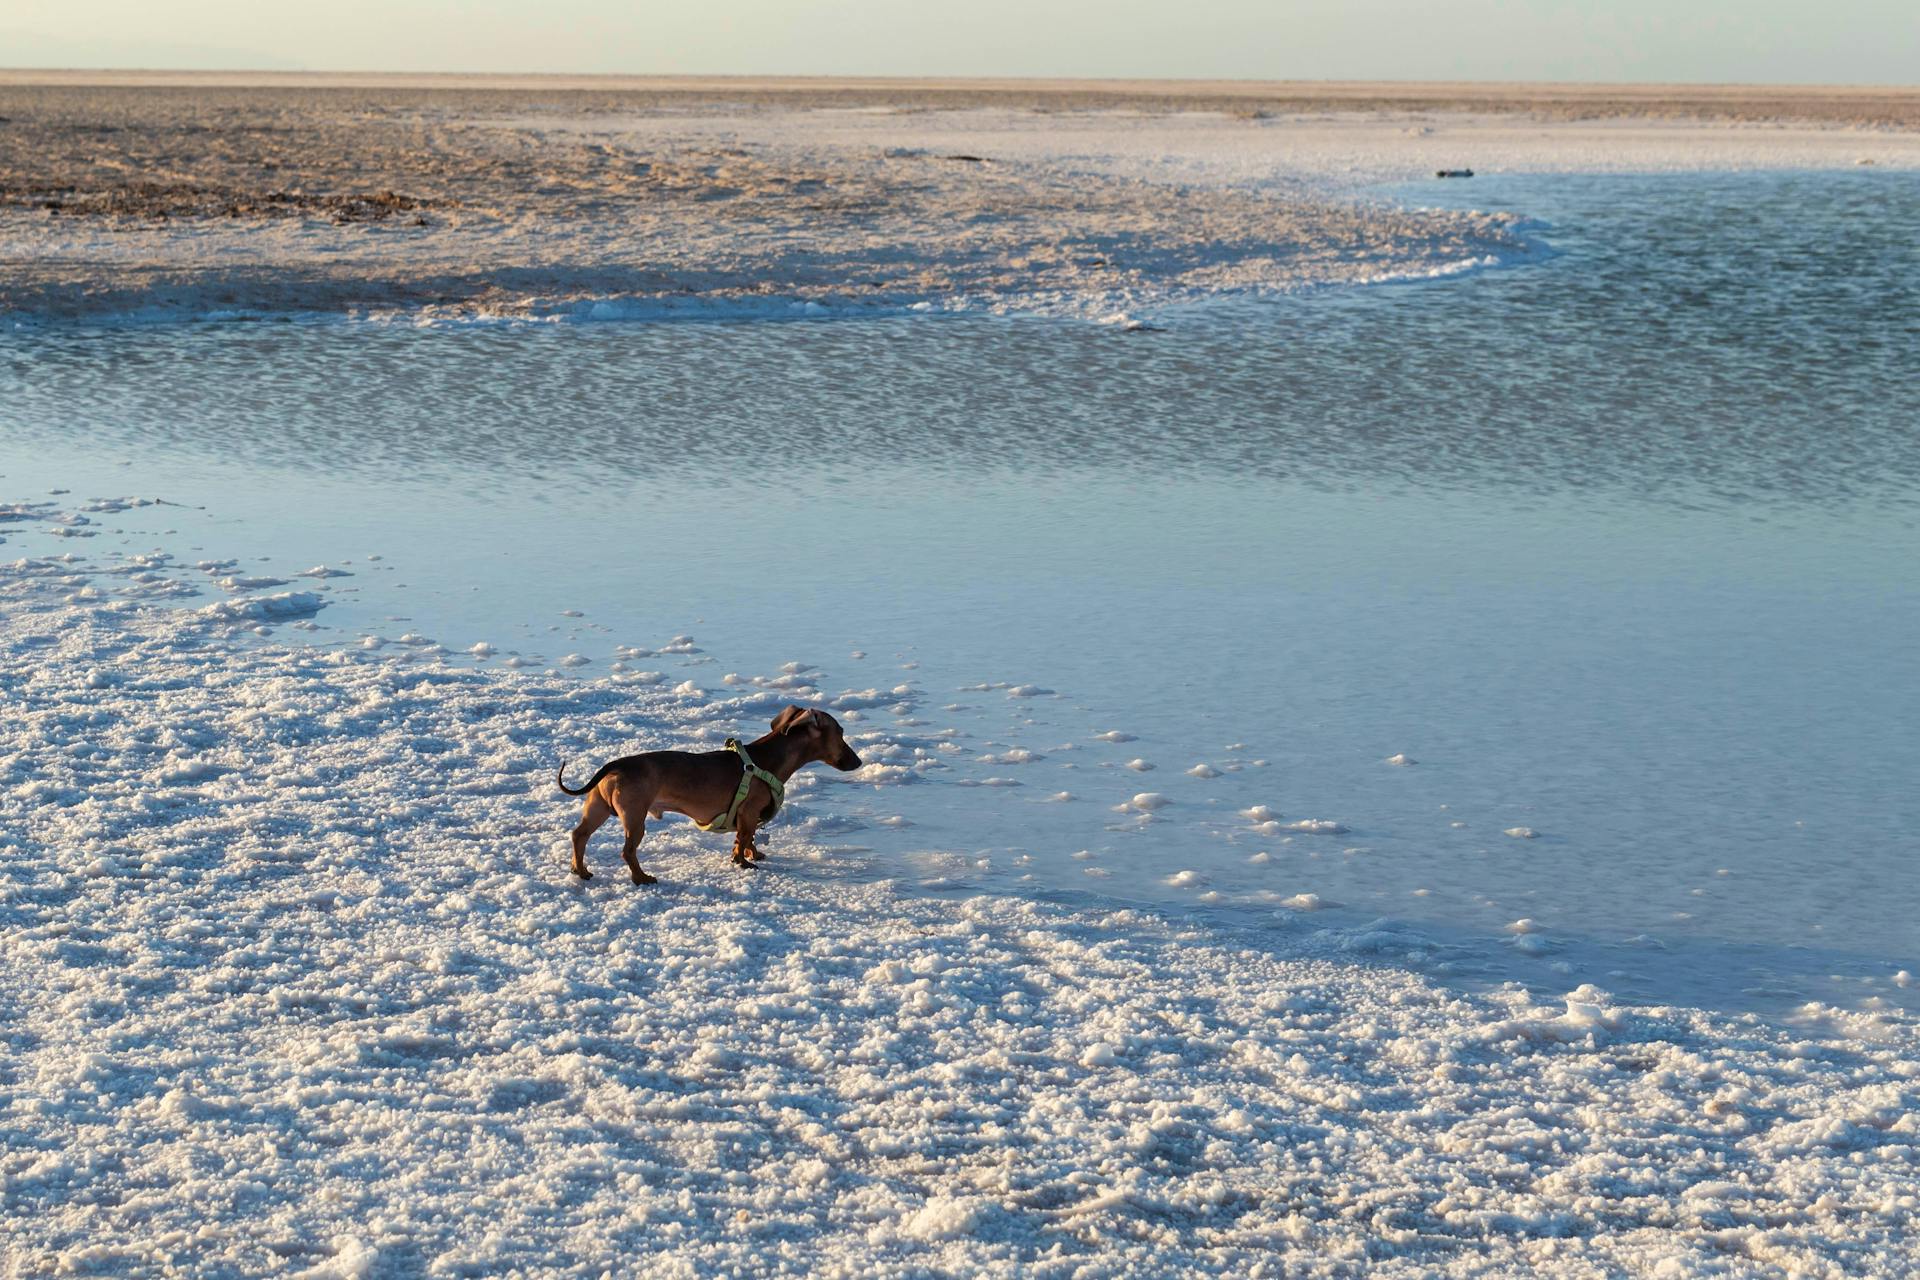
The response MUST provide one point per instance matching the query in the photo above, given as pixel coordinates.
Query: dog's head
(824, 738)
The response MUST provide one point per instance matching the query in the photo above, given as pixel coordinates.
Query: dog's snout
(848, 761)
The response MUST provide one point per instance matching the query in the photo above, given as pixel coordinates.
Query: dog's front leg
(743, 851)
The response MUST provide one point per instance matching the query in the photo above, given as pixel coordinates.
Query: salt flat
(290, 984)
(293, 980)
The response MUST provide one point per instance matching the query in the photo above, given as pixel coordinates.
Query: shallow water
(1619, 546)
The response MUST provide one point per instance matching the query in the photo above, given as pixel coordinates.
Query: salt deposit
(776, 212)
(469, 204)
(296, 982)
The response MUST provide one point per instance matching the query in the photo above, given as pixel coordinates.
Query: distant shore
(162, 196)
(1884, 106)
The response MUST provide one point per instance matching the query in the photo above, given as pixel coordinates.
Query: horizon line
(237, 77)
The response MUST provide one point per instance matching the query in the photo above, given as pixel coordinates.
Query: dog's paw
(641, 877)
(583, 873)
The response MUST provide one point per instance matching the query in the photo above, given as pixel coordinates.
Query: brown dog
(705, 786)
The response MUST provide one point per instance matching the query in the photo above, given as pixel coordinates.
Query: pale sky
(1783, 41)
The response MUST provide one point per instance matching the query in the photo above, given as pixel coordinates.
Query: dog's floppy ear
(789, 716)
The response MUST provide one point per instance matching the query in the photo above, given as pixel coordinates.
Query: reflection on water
(1617, 546)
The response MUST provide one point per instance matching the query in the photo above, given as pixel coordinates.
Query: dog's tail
(561, 778)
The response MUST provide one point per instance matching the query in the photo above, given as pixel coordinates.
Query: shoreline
(342, 613)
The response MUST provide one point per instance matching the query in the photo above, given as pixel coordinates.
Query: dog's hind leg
(595, 812)
(634, 818)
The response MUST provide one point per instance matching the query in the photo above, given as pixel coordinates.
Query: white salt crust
(293, 981)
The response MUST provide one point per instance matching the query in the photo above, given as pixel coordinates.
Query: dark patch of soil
(160, 201)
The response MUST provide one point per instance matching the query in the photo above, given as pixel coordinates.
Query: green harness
(748, 772)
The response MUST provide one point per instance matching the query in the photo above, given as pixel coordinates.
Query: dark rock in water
(1454, 173)
(968, 159)
(1140, 326)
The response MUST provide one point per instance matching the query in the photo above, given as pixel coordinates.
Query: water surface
(1619, 546)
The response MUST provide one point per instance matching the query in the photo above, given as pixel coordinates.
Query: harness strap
(748, 772)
